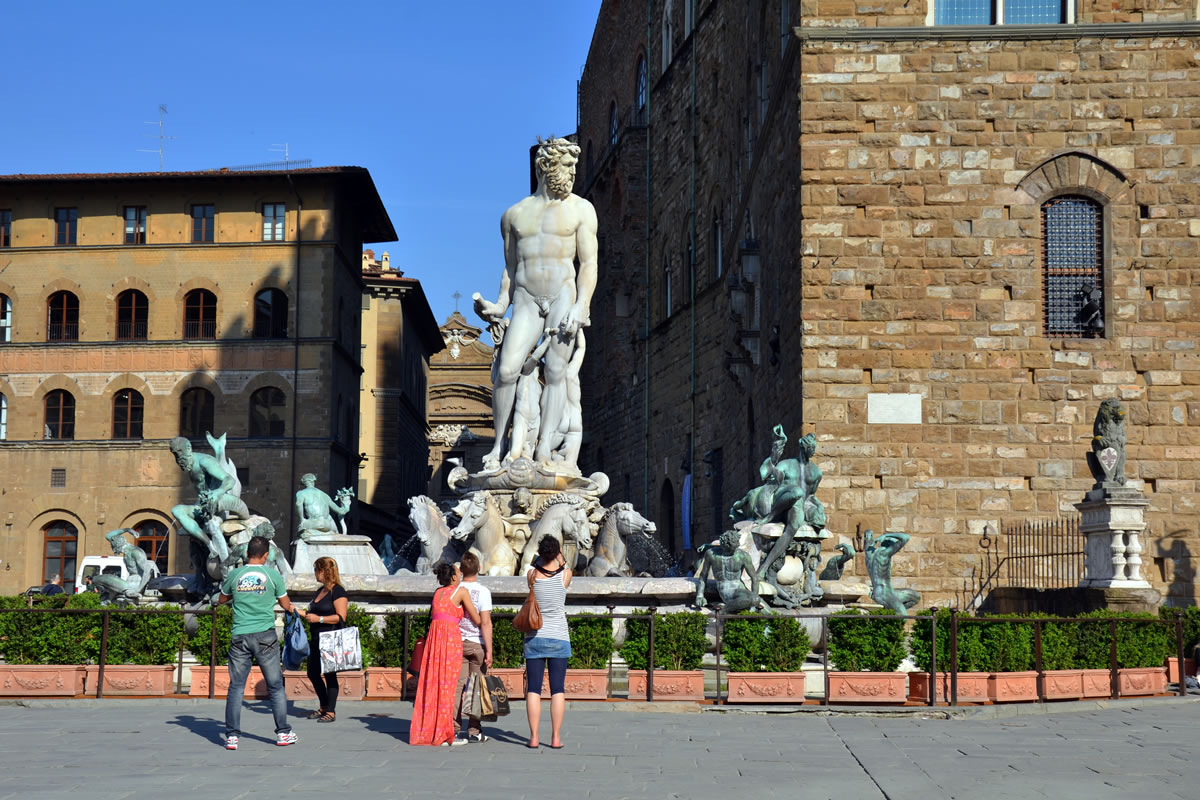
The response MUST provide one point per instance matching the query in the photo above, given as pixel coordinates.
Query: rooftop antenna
(162, 110)
(456, 297)
(282, 148)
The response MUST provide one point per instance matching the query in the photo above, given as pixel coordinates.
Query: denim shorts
(541, 647)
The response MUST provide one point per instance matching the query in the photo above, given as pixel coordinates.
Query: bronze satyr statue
(726, 562)
(879, 554)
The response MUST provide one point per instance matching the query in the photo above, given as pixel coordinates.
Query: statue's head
(181, 447)
(808, 445)
(730, 540)
(117, 540)
(555, 164)
(308, 479)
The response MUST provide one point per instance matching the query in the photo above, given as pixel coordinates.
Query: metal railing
(957, 620)
(200, 330)
(1031, 554)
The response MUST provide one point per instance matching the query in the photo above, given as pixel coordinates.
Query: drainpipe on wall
(295, 358)
(646, 296)
(690, 485)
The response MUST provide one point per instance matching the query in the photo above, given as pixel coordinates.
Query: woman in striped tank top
(549, 646)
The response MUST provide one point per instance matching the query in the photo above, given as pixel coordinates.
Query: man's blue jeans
(263, 648)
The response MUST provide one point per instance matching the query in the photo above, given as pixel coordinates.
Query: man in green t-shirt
(254, 590)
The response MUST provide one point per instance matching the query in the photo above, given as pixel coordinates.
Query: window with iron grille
(135, 224)
(62, 317)
(60, 539)
(196, 411)
(5, 318)
(60, 415)
(128, 409)
(133, 313)
(5, 229)
(273, 218)
(1073, 267)
(203, 219)
(66, 221)
(58, 478)
(200, 315)
(152, 538)
(639, 93)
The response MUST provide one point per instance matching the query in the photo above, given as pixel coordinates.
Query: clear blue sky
(440, 101)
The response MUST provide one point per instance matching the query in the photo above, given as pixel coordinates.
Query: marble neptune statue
(544, 234)
(317, 510)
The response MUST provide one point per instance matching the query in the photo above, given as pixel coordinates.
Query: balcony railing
(200, 330)
(131, 330)
(62, 332)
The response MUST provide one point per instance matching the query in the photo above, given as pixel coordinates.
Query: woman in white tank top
(549, 647)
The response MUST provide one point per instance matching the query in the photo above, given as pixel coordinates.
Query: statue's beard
(559, 183)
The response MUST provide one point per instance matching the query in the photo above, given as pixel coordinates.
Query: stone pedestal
(1113, 519)
(354, 554)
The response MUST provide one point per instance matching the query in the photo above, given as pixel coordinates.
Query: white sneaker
(231, 742)
(457, 741)
(284, 739)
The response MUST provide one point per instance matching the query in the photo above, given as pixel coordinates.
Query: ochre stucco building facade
(139, 306)
(936, 246)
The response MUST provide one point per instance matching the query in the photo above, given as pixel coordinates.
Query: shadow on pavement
(213, 729)
(385, 723)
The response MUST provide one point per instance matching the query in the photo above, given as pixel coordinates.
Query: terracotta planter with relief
(352, 685)
(1189, 668)
(386, 683)
(133, 679)
(1142, 681)
(1012, 687)
(513, 678)
(256, 685)
(763, 687)
(668, 684)
(972, 687)
(1096, 683)
(580, 684)
(868, 687)
(1063, 684)
(41, 680)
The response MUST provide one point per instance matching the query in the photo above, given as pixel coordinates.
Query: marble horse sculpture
(564, 516)
(480, 515)
(611, 558)
(432, 532)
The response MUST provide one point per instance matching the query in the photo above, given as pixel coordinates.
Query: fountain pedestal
(354, 554)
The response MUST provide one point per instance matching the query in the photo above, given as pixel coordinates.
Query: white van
(91, 566)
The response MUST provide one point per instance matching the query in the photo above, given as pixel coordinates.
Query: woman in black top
(327, 612)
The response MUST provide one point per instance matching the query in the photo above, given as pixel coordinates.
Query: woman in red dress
(432, 721)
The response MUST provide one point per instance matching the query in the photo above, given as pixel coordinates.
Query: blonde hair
(328, 569)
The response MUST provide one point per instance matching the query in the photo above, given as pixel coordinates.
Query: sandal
(328, 716)
(317, 714)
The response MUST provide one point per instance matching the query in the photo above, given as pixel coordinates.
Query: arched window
(5, 318)
(60, 415)
(200, 315)
(3, 418)
(1073, 267)
(639, 91)
(270, 314)
(666, 516)
(59, 540)
(133, 313)
(152, 537)
(613, 125)
(266, 413)
(196, 413)
(62, 318)
(127, 415)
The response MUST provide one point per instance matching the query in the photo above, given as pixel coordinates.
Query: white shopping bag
(340, 650)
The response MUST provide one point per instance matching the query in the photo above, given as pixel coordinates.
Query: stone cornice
(939, 33)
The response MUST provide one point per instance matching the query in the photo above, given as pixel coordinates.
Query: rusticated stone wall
(925, 164)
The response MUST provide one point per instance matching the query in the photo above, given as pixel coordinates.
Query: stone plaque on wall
(894, 409)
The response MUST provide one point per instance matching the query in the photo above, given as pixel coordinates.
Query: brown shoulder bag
(529, 618)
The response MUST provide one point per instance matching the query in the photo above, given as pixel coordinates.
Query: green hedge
(199, 642)
(1191, 628)
(591, 641)
(508, 643)
(779, 644)
(1144, 645)
(679, 640)
(860, 644)
(390, 649)
(144, 638)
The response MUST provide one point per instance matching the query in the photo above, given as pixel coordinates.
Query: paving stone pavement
(173, 749)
